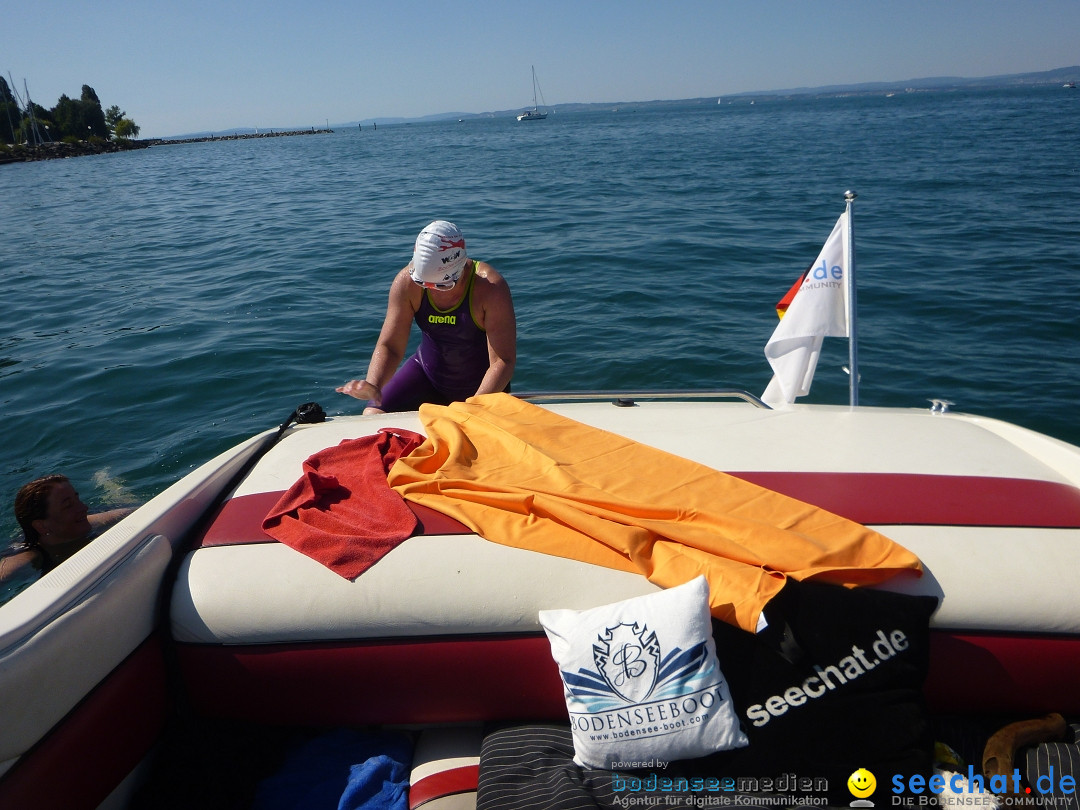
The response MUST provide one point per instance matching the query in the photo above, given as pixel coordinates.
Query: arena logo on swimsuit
(447, 319)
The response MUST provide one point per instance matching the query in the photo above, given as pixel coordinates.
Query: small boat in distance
(1069, 85)
(534, 114)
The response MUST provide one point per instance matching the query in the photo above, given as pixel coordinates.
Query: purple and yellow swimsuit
(452, 358)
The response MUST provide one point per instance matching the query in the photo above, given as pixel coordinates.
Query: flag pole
(849, 270)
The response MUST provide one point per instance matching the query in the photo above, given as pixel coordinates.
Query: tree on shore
(113, 115)
(81, 119)
(126, 128)
(70, 119)
(120, 124)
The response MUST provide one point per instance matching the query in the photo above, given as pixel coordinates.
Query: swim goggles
(437, 285)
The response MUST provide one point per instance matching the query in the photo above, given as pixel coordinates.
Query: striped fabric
(532, 768)
(1064, 760)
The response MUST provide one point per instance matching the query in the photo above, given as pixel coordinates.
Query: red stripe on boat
(874, 499)
(239, 521)
(444, 783)
(881, 499)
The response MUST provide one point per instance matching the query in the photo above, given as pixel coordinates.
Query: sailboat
(534, 114)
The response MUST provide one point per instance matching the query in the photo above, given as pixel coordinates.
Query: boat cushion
(641, 678)
(266, 631)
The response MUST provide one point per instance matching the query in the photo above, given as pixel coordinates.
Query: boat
(1069, 85)
(534, 114)
(188, 603)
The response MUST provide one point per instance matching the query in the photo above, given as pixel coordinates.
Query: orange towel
(523, 476)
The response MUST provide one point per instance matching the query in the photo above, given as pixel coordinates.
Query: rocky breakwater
(21, 153)
(243, 136)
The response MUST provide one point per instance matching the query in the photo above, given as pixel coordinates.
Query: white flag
(819, 310)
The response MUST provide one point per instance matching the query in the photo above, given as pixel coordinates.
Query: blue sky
(193, 65)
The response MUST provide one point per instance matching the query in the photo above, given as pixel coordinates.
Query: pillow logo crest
(628, 658)
(631, 670)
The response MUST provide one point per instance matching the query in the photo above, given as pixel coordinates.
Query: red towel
(342, 512)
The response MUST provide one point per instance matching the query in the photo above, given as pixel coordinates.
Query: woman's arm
(500, 323)
(389, 348)
(12, 564)
(103, 520)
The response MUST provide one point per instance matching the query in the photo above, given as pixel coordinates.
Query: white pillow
(641, 679)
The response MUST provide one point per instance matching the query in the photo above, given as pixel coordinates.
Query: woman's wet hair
(32, 503)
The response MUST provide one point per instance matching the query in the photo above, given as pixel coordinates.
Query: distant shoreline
(22, 153)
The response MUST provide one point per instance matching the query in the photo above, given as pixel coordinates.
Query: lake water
(161, 305)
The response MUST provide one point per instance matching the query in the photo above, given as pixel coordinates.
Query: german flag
(785, 302)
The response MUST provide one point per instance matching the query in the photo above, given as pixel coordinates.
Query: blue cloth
(344, 769)
(379, 783)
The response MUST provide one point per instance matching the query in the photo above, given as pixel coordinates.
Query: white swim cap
(439, 255)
